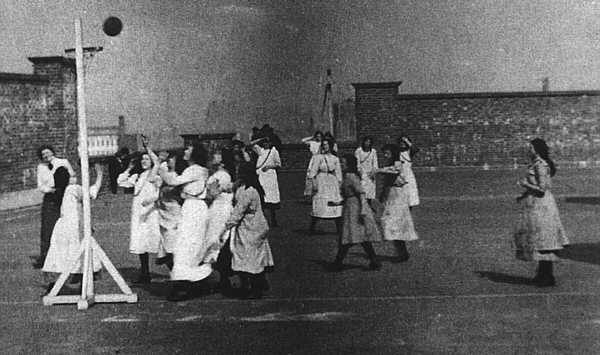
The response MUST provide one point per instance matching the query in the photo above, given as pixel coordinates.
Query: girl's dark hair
(330, 142)
(393, 149)
(228, 162)
(541, 148)
(362, 144)
(351, 163)
(44, 147)
(317, 133)
(249, 178)
(136, 160)
(199, 154)
(180, 164)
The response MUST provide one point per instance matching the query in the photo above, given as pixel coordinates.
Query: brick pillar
(62, 99)
(374, 109)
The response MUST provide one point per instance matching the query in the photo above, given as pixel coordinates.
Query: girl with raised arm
(65, 244)
(168, 206)
(220, 193)
(145, 234)
(192, 228)
(406, 156)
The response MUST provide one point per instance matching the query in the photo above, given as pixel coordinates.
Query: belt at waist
(192, 197)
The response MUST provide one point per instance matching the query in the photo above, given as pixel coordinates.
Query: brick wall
(36, 109)
(481, 128)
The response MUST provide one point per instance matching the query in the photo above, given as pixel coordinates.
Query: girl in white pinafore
(145, 234)
(314, 146)
(191, 231)
(367, 165)
(220, 189)
(65, 245)
(327, 174)
(169, 207)
(266, 168)
(407, 153)
(396, 221)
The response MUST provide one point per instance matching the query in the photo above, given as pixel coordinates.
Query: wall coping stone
(508, 94)
(68, 62)
(383, 85)
(32, 78)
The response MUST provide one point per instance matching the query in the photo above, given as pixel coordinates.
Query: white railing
(103, 145)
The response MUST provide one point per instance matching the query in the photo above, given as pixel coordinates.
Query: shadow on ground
(131, 274)
(584, 252)
(584, 200)
(504, 278)
(326, 265)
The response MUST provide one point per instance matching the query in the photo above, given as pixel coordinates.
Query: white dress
(218, 214)
(67, 234)
(412, 192)
(315, 149)
(249, 244)
(145, 236)
(268, 179)
(169, 212)
(396, 221)
(327, 174)
(367, 164)
(192, 228)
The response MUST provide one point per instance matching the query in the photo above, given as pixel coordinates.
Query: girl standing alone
(540, 233)
(327, 176)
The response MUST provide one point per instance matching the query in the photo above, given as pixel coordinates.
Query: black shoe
(252, 294)
(144, 279)
(177, 296)
(375, 265)
(75, 279)
(49, 288)
(335, 267)
(546, 282)
(401, 259)
(39, 263)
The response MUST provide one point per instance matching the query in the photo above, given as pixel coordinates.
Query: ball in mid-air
(112, 26)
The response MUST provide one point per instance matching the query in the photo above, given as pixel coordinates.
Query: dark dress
(115, 168)
(51, 210)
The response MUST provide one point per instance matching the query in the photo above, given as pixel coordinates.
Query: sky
(267, 58)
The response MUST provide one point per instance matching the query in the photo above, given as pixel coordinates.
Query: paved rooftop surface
(462, 291)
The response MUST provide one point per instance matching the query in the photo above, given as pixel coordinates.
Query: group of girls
(198, 219)
(345, 191)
